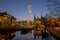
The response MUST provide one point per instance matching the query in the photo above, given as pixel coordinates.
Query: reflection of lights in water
(22, 37)
(28, 36)
(3, 39)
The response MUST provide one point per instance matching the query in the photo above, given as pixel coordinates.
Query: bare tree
(54, 7)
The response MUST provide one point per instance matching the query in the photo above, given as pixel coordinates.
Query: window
(0, 23)
(37, 27)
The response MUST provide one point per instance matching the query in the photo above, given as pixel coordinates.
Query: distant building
(24, 23)
(38, 25)
(54, 22)
(6, 19)
(59, 21)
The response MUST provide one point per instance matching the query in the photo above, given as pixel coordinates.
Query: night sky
(19, 8)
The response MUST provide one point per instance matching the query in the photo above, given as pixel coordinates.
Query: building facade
(6, 19)
(39, 26)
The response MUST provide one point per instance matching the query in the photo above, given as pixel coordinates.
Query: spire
(37, 17)
(29, 7)
(29, 12)
(29, 3)
(41, 16)
(34, 16)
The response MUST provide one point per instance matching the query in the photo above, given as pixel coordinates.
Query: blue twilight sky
(19, 8)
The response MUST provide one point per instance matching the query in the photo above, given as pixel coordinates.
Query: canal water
(23, 35)
(27, 36)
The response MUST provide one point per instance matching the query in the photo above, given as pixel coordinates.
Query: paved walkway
(54, 32)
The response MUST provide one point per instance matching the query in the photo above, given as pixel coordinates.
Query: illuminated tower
(29, 12)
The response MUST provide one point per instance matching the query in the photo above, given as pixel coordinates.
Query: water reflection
(21, 35)
(23, 32)
(6, 35)
(28, 36)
